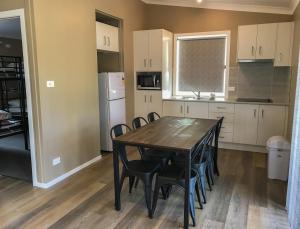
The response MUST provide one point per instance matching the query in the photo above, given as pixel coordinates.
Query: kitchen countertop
(220, 100)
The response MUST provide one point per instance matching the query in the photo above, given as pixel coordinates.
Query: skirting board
(241, 147)
(68, 174)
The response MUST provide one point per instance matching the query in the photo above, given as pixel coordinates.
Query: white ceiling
(262, 6)
(10, 28)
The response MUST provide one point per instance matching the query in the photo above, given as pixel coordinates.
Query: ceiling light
(199, 1)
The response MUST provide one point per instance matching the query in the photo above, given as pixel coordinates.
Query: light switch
(231, 88)
(50, 83)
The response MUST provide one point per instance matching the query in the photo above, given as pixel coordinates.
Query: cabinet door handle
(262, 113)
(221, 108)
(108, 38)
(150, 63)
(145, 98)
(181, 109)
(254, 113)
(252, 50)
(150, 98)
(260, 50)
(280, 57)
(104, 40)
(187, 109)
(145, 63)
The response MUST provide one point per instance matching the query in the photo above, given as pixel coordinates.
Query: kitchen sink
(254, 100)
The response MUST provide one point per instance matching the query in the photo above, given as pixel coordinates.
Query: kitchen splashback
(260, 80)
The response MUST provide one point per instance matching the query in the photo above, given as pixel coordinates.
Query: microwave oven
(148, 80)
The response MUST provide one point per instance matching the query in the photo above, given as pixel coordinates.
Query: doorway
(17, 152)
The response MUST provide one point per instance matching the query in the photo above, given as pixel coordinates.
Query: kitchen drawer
(226, 137)
(227, 127)
(227, 116)
(221, 107)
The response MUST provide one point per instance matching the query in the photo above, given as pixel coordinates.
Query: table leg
(116, 149)
(187, 189)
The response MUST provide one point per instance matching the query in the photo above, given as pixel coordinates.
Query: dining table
(174, 134)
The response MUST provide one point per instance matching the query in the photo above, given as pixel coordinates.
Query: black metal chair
(215, 148)
(141, 169)
(174, 174)
(152, 116)
(159, 156)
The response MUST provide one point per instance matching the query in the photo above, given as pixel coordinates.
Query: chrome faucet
(198, 94)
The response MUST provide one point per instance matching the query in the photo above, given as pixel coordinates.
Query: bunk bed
(13, 111)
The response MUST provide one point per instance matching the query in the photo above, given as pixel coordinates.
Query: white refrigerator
(112, 105)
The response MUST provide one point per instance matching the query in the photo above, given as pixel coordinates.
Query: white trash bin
(279, 158)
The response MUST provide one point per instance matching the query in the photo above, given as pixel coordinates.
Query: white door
(245, 124)
(266, 41)
(155, 50)
(196, 110)
(155, 102)
(173, 108)
(141, 103)
(141, 50)
(271, 122)
(247, 42)
(284, 44)
(116, 85)
(112, 37)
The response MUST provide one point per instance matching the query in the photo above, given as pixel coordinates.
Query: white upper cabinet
(141, 47)
(245, 124)
(272, 121)
(107, 37)
(266, 41)
(284, 44)
(257, 42)
(247, 35)
(148, 48)
(155, 50)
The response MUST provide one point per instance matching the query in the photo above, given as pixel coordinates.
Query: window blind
(201, 64)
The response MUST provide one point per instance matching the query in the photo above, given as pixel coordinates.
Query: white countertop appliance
(112, 105)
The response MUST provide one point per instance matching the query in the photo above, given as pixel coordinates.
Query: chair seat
(142, 166)
(175, 173)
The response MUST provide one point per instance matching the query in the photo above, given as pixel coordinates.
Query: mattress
(4, 115)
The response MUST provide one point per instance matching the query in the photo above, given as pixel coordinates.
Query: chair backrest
(138, 122)
(217, 131)
(116, 131)
(200, 150)
(152, 116)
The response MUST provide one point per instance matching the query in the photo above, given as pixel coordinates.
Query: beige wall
(66, 53)
(187, 20)
(11, 4)
(294, 68)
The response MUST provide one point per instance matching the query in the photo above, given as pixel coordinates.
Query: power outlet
(50, 83)
(56, 161)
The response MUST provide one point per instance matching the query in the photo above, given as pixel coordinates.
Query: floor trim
(242, 147)
(68, 174)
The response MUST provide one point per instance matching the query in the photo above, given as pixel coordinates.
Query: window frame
(227, 35)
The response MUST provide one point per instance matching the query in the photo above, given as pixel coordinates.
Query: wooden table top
(172, 133)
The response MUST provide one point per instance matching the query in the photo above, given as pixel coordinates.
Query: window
(201, 63)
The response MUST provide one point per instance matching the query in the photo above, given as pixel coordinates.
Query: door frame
(19, 13)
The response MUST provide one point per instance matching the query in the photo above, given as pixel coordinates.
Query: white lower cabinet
(185, 109)
(271, 122)
(255, 124)
(245, 124)
(248, 124)
(196, 110)
(146, 102)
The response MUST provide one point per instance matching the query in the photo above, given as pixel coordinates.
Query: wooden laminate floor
(242, 197)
